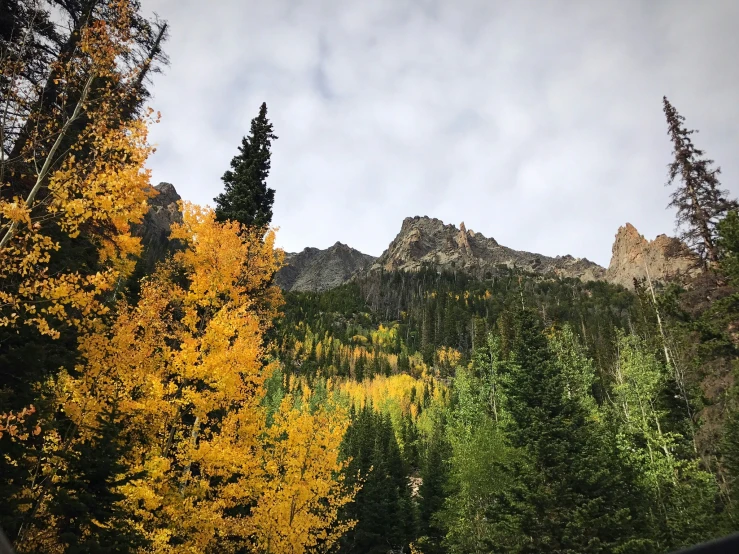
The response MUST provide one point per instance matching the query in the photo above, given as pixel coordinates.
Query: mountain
(635, 257)
(318, 270)
(154, 230)
(428, 241)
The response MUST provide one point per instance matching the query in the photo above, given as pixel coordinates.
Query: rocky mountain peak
(428, 241)
(166, 195)
(317, 270)
(424, 240)
(633, 256)
(154, 230)
(463, 240)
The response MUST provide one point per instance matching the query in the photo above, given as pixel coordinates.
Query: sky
(537, 123)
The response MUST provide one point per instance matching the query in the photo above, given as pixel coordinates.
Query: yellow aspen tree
(81, 171)
(185, 367)
(298, 507)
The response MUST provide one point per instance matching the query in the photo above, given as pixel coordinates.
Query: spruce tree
(246, 197)
(580, 496)
(699, 200)
(89, 516)
(434, 475)
(382, 507)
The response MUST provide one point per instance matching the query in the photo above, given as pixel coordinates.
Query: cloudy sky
(537, 123)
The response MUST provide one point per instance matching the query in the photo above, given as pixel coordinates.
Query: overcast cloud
(537, 123)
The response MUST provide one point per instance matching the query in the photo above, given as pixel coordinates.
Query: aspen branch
(50, 159)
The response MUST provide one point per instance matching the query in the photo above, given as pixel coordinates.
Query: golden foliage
(84, 172)
(185, 367)
(303, 487)
(447, 357)
(397, 394)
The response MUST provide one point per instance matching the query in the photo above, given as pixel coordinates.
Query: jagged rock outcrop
(425, 240)
(633, 256)
(318, 270)
(154, 230)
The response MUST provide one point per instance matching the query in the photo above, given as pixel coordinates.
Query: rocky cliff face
(318, 270)
(633, 256)
(424, 240)
(154, 230)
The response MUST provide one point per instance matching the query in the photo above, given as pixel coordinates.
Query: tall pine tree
(580, 496)
(246, 197)
(699, 200)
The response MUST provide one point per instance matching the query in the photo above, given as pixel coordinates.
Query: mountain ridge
(317, 270)
(424, 240)
(428, 241)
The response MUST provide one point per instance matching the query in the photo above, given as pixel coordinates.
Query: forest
(178, 401)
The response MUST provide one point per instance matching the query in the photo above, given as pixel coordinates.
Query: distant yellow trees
(398, 394)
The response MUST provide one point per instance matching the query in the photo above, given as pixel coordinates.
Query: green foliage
(579, 496)
(434, 475)
(479, 467)
(89, 518)
(246, 197)
(382, 507)
(533, 454)
(682, 496)
(728, 243)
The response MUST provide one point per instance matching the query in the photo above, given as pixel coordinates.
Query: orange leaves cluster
(14, 424)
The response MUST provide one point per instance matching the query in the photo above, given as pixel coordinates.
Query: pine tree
(246, 197)
(700, 203)
(434, 475)
(89, 516)
(580, 498)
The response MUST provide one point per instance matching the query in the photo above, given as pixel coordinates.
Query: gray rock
(319, 270)
(154, 230)
(428, 241)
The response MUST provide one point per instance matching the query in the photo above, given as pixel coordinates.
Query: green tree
(682, 495)
(579, 496)
(246, 197)
(90, 520)
(728, 244)
(479, 468)
(434, 475)
(382, 508)
(576, 369)
(699, 200)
